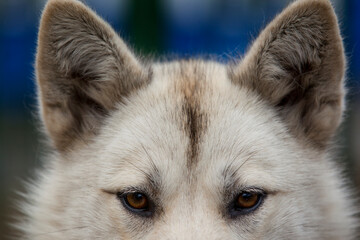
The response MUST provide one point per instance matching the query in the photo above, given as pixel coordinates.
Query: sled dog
(190, 149)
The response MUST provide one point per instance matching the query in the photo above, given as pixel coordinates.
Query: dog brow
(154, 176)
(230, 171)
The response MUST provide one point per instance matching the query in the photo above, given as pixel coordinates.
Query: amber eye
(246, 202)
(137, 203)
(136, 200)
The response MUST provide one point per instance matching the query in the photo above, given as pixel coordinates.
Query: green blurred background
(181, 28)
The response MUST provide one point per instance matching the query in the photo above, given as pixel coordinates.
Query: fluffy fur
(190, 133)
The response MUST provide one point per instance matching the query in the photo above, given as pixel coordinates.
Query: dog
(190, 149)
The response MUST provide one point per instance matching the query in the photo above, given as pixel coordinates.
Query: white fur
(75, 198)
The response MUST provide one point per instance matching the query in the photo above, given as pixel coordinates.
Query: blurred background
(182, 28)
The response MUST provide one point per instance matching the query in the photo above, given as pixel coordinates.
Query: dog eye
(246, 202)
(136, 202)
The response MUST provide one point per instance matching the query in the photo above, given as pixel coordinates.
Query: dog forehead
(164, 120)
(189, 120)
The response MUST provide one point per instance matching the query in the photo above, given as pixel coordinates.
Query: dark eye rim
(235, 211)
(143, 212)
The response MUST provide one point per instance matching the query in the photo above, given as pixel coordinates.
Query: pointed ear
(297, 64)
(83, 71)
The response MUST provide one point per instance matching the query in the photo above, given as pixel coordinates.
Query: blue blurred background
(183, 28)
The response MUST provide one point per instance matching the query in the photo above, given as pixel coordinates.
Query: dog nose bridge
(192, 224)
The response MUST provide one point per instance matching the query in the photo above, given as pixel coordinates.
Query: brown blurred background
(183, 28)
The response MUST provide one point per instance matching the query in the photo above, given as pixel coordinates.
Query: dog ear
(297, 64)
(83, 71)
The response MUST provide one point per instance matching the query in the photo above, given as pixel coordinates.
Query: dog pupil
(247, 196)
(138, 197)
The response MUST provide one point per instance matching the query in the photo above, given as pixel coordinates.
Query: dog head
(191, 149)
